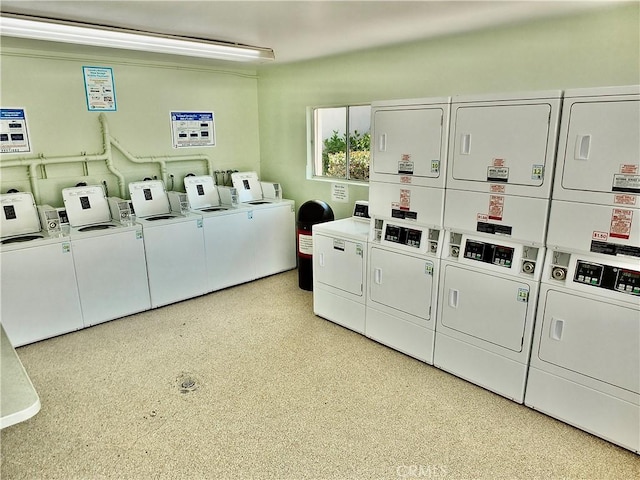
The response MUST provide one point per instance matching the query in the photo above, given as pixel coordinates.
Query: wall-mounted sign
(100, 88)
(339, 192)
(14, 137)
(192, 129)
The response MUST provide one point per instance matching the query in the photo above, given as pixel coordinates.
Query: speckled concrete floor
(248, 383)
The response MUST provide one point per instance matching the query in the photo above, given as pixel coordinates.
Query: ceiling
(302, 30)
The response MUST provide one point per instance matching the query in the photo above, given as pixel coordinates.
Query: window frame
(312, 147)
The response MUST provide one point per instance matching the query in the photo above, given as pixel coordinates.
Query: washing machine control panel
(489, 253)
(403, 235)
(605, 276)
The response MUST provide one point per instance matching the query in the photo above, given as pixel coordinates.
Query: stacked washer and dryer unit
(500, 171)
(406, 205)
(585, 360)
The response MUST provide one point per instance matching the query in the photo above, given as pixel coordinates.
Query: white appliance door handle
(557, 327)
(453, 297)
(382, 142)
(465, 144)
(322, 259)
(377, 276)
(583, 147)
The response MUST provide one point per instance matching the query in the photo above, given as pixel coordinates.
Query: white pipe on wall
(106, 156)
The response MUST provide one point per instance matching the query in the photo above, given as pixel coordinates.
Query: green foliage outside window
(334, 160)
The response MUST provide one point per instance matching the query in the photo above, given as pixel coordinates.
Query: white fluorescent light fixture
(100, 36)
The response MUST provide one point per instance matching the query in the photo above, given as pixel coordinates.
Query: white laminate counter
(19, 401)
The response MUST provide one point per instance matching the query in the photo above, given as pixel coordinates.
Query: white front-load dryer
(585, 359)
(39, 297)
(403, 265)
(109, 257)
(174, 245)
(340, 271)
(486, 311)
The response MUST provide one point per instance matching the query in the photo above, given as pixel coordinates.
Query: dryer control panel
(403, 235)
(489, 253)
(607, 277)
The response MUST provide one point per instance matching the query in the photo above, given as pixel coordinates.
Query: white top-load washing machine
(585, 359)
(174, 245)
(227, 235)
(109, 257)
(406, 201)
(39, 295)
(340, 268)
(271, 224)
(500, 171)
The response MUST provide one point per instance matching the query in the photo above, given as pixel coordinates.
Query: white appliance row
(59, 279)
(456, 267)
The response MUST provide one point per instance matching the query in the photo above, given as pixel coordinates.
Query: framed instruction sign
(192, 129)
(100, 88)
(14, 137)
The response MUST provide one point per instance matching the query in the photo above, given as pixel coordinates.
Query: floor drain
(186, 383)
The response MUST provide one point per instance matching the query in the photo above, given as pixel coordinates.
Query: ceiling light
(97, 35)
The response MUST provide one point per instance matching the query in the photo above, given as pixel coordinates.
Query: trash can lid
(315, 211)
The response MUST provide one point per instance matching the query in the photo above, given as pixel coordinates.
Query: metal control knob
(528, 267)
(559, 273)
(433, 247)
(455, 251)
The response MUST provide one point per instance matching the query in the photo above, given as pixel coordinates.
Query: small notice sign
(100, 89)
(339, 192)
(192, 129)
(14, 137)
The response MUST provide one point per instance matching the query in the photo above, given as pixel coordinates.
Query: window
(334, 154)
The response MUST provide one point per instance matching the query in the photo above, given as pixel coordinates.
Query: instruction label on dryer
(496, 207)
(621, 220)
(497, 174)
(626, 183)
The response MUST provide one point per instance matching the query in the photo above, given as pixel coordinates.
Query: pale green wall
(261, 115)
(46, 80)
(596, 49)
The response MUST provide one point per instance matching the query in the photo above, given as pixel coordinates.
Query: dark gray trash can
(309, 214)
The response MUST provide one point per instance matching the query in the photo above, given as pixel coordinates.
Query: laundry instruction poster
(100, 89)
(14, 137)
(193, 129)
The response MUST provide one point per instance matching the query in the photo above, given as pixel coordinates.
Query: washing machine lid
(248, 186)
(19, 214)
(86, 205)
(149, 198)
(201, 192)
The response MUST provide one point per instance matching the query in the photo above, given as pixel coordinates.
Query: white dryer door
(408, 141)
(485, 306)
(503, 143)
(602, 156)
(592, 337)
(401, 281)
(339, 263)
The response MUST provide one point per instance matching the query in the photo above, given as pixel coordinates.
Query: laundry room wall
(598, 48)
(46, 79)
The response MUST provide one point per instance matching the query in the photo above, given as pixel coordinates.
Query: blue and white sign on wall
(192, 129)
(14, 137)
(100, 89)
